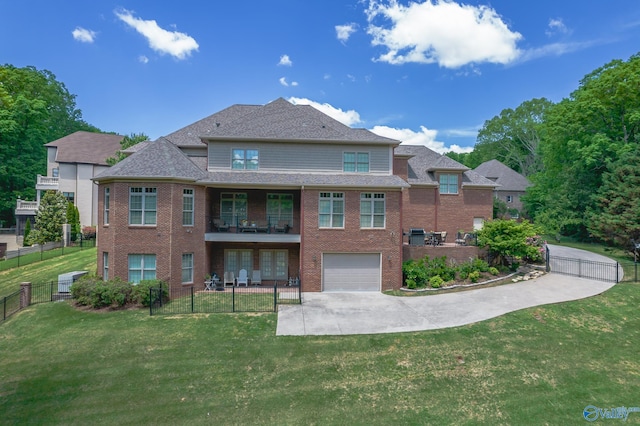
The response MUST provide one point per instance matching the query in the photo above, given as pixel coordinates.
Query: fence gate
(600, 271)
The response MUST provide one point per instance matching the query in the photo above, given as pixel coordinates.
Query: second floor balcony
(47, 183)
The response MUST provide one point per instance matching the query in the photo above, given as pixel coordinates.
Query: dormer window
(244, 159)
(355, 162)
(448, 184)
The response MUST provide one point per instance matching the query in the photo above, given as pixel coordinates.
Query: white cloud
(424, 137)
(285, 61)
(348, 118)
(143, 59)
(556, 26)
(556, 49)
(283, 81)
(177, 44)
(84, 35)
(343, 32)
(447, 33)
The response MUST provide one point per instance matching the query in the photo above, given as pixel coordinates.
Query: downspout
(301, 266)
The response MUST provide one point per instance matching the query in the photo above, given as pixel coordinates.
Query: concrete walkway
(373, 312)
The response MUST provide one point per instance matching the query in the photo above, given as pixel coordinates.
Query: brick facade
(351, 239)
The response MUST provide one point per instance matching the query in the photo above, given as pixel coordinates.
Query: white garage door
(351, 272)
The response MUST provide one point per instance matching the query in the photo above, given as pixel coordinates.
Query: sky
(424, 72)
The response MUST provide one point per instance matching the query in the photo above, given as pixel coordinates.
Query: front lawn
(542, 365)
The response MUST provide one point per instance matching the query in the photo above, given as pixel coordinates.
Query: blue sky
(429, 72)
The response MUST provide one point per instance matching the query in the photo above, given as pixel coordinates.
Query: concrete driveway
(374, 312)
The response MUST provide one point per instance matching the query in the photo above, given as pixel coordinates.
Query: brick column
(25, 295)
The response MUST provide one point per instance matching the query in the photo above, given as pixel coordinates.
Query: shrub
(479, 265)
(510, 239)
(115, 293)
(88, 232)
(415, 273)
(436, 281)
(474, 276)
(82, 289)
(493, 271)
(140, 292)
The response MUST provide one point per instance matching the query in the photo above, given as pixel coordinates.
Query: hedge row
(116, 293)
(438, 271)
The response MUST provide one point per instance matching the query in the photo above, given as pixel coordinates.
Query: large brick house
(280, 189)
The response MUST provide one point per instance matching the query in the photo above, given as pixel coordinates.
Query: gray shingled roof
(258, 179)
(277, 120)
(424, 162)
(86, 147)
(507, 178)
(159, 159)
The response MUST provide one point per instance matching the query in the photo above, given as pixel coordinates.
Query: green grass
(537, 366)
(543, 365)
(47, 270)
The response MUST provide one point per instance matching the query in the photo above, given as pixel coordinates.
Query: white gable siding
(300, 157)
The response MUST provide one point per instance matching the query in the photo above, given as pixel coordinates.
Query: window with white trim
(105, 266)
(244, 159)
(274, 264)
(142, 206)
(509, 198)
(187, 268)
(142, 267)
(448, 183)
(355, 162)
(187, 207)
(331, 210)
(372, 210)
(234, 260)
(107, 201)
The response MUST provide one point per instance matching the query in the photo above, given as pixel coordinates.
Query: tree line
(582, 155)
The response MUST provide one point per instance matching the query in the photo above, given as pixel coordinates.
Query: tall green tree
(52, 214)
(585, 135)
(73, 219)
(35, 109)
(513, 137)
(615, 217)
(127, 142)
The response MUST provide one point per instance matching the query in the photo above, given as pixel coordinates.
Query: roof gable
(159, 159)
(507, 178)
(424, 162)
(86, 147)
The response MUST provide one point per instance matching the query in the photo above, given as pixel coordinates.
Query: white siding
(301, 157)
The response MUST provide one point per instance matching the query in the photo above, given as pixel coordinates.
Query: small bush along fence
(94, 292)
(437, 272)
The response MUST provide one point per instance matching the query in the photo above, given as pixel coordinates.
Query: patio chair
(444, 237)
(282, 226)
(255, 278)
(243, 278)
(229, 278)
(220, 225)
(461, 240)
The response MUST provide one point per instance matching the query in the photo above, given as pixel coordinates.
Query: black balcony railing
(268, 224)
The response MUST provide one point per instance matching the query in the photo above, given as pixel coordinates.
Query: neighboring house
(512, 185)
(72, 161)
(279, 189)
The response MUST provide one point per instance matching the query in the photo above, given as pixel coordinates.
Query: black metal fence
(224, 300)
(27, 255)
(595, 270)
(37, 293)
